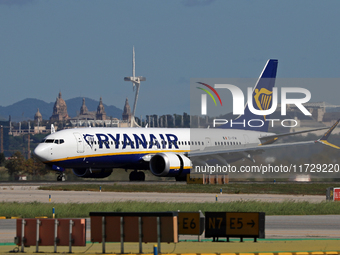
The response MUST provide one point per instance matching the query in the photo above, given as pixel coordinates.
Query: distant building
(101, 114)
(84, 113)
(59, 110)
(85, 117)
(127, 111)
(83, 108)
(37, 117)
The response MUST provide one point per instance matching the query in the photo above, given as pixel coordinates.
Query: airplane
(94, 152)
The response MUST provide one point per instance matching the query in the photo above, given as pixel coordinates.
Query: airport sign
(234, 224)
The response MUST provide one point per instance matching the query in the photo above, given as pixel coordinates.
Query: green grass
(35, 209)
(293, 189)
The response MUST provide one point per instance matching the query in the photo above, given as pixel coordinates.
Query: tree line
(18, 165)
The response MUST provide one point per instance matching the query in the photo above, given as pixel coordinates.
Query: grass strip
(72, 210)
(235, 188)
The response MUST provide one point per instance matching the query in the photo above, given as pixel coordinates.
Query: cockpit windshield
(57, 141)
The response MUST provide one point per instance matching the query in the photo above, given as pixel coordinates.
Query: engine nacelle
(169, 164)
(91, 172)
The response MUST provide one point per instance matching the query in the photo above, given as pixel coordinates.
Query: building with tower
(37, 117)
(101, 114)
(126, 116)
(59, 110)
(93, 118)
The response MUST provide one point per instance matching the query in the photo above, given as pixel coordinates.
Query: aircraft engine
(92, 172)
(169, 164)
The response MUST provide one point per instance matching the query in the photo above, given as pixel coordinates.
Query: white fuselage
(126, 147)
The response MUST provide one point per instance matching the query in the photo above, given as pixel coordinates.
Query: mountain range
(25, 110)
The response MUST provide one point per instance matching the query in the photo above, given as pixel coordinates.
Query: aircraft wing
(272, 138)
(243, 151)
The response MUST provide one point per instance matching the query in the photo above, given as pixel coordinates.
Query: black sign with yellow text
(235, 224)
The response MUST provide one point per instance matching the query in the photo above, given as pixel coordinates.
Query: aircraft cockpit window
(56, 141)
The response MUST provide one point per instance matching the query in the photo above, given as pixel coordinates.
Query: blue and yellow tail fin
(262, 98)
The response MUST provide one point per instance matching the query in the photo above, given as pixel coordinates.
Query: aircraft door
(80, 142)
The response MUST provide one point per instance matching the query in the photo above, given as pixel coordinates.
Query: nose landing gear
(61, 177)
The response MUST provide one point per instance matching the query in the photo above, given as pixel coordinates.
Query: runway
(31, 194)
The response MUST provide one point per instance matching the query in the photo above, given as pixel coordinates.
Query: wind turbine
(135, 83)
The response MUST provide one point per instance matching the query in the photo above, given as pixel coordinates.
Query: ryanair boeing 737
(167, 152)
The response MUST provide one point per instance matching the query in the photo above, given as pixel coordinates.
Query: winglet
(324, 138)
(52, 129)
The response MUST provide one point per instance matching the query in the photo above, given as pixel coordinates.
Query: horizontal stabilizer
(324, 138)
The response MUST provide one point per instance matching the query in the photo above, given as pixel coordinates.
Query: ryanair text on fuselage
(162, 141)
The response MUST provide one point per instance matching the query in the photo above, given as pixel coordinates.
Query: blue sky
(84, 48)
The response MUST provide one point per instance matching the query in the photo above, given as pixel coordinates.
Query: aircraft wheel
(181, 178)
(133, 176)
(141, 176)
(137, 176)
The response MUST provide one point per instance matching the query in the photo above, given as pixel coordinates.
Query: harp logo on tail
(263, 98)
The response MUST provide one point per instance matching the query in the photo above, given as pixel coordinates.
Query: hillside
(25, 109)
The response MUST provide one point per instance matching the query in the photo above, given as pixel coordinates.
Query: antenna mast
(135, 83)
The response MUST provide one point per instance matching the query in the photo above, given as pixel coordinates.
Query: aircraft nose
(40, 152)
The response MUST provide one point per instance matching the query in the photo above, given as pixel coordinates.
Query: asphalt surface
(31, 194)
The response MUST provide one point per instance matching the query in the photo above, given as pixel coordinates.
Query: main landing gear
(61, 177)
(181, 178)
(137, 176)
